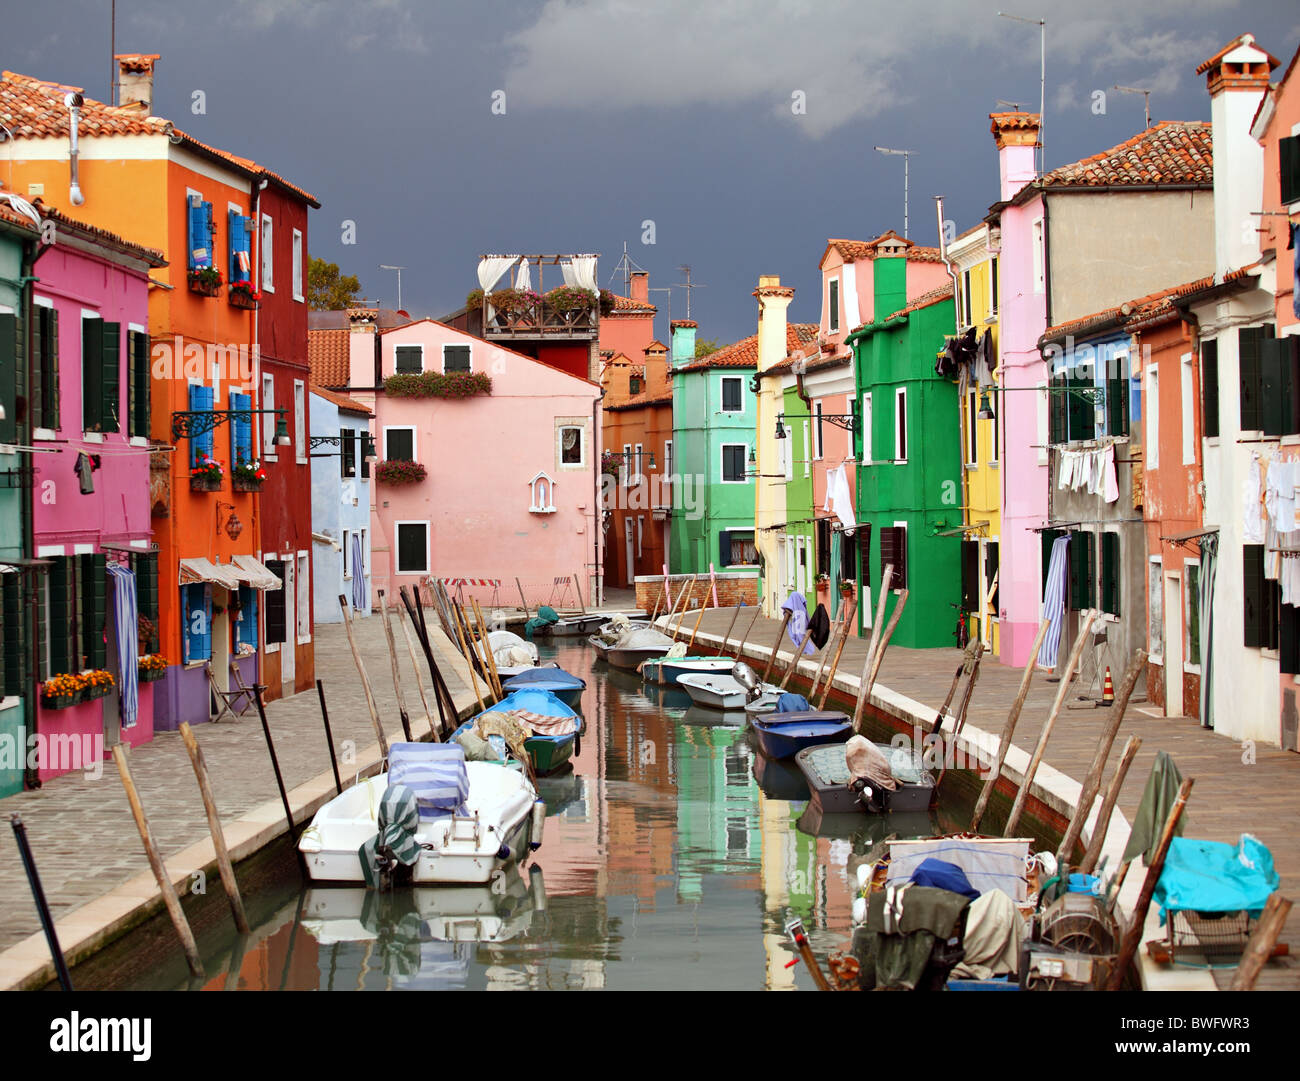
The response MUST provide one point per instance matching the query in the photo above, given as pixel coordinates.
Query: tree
(328, 290)
(705, 346)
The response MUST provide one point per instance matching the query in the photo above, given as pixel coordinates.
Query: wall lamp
(195, 422)
(847, 421)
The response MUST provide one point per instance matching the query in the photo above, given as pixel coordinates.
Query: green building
(909, 480)
(713, 438)
(18, 239)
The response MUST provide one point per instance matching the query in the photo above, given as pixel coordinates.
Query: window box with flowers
(445, 385)
(62, 691)
(207, 476)
(247, 477)
(205, 280)
(151, 668)
(847, 590)
(610, 460)
(243, 295)
(400, 471)
(99, 683)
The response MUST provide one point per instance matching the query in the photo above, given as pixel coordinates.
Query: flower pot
(150, 675)
(239, 299)
(204, 288)
(245, 484)
(100, 691)
(205, 482)
(59, 701)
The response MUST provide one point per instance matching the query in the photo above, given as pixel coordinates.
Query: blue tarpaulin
(943, 875)
(1210, 876)
(792, 703)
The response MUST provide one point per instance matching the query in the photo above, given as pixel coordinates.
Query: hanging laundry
(986, 362)
(1280, 499)
(84, 470)
(839, 499)
(1110, 486)
(1252, 511)
(1066, 470)
(1054, 602)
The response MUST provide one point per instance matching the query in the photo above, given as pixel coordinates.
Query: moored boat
(551, 729)
(640, 644)
(511, 654)
(783, 735)
(668, 670)
(831, 781)
(565, 686)
(721, 691)
(574, 626)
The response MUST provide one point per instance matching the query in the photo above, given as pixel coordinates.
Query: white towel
(839, 499)
(1110, 484)
(1252, 516)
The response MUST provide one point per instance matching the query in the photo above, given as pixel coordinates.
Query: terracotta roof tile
(103, 236)
(744, 353)
(1239, 40)
(346, 404)
(1170, 152)
(1141, 311)
(852, 250)
(328, 353)
(1014, 121)
(934, 296)
(33, 109)
(628, 306)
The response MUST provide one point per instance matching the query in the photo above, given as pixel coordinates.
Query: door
(221, 637)
(1173, 645)
(629, 547)
(289, 649)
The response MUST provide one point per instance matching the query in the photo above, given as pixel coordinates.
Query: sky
(732, 137)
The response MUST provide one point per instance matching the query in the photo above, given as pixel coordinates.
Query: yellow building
(976, 267)
(769, 484)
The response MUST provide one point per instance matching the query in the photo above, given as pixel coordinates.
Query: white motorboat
(639, 644)
(720, 691)
(573, 626)
(511, 653)
(492, 819)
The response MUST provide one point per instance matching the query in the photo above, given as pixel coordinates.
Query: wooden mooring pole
(42, 905)
(771, 660)
(275, 762)
(365, 679)
(409, 636)
(1262, 940)
(170, 899)
(224, 865)
(872, 643)
(851, 610)
(329, 737)
(392, 657)
(1102, 827)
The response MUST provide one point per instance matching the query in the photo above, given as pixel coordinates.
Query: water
(673, 855)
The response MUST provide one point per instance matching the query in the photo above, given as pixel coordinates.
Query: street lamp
(906, 154)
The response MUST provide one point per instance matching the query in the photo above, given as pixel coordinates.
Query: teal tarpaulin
(1210, 876)
(544, 618)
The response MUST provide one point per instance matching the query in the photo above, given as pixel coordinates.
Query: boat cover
(546, 615)
(398, 819)
(541, 724)
(1210, 876)
(434, 772)
(792, 703)
(869, 762)
(943, 875)
(989, 863)
(994, 931)
(556, 676)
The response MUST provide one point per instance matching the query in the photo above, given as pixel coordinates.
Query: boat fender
(537, 825)
(859, 910)
(503, 853)
(538, 888)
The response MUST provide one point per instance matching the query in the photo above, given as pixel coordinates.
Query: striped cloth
(398, 819)
(1054, 602)
(434, 772)
(542, 725)
(360, 594)
(126, 620)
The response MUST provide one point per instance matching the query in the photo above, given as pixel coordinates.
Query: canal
(673, 855)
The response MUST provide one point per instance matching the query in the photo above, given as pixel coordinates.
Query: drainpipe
(598, 512)
(74, 103)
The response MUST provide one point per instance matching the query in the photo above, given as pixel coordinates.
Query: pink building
(90, 404)
(487, 461)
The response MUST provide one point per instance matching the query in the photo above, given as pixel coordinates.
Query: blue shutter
(209, 234)
(198, 622)
(207, 622)
(241, 430)
(234, 222)
(194, 218)
(201, 398)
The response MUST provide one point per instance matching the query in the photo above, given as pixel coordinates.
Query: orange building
(124, 169)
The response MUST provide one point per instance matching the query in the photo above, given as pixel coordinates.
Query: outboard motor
(747, 678)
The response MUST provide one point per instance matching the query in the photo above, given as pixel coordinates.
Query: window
(992, 584)
(626, 468)
(993, 286)
(246, 618)
(1192, 615)
(297, 265)
(1155, 611)
(1040, 284)
(1153, 417)
(1210, 389)
(241, 429)
(137, 382)
(822, 535)
(849, 555)
(196, 632)
(637, 457)
(45, 349)
(1110, 572)
(1250, 342)
(967, 316)
(408, 359)
(733, 463)
(1083, 570)
(412, 547)
(347, 452)
(819, 438)
(201, 446)
(1262, 597)
(970, 576)
(900, 424)
(399, 444)
(455, 358)
(300, 420)
(276, 607)
(736, 548)
(1280, 383)
(1117, 394)
(732, 387)
(268, 418)
(867, 457)
(571, 445)
(367, 452)
(833, 305)
(807, 458)
(201, 231)
(302, 607)
(13, 669)
(640, 528)
(101, 346)
(268, 252)
(144, 565)
(346, 553)
(240, 231)
(74, 616)
(1189, 417)
(1289, 168)
(667, 474)
(893, 552)
(972, 428)
(634, 384)
(787, 453)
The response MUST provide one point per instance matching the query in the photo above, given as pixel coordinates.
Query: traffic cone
(1107, 689)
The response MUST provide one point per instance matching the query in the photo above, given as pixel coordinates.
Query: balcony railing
(541, 320)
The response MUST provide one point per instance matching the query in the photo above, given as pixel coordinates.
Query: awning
(325, 538)
(194, 571)
(1190, 534)
(253, 571)
(957, 531)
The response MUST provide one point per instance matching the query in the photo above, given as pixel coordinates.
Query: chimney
(135, 79)
(1236, 77)
(1016, 136)
(682, 341)
(773, 300)
(364, 368)
(640, 286)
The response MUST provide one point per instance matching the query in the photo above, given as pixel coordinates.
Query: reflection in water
(673, 855)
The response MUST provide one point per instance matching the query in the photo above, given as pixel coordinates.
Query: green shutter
(1249, 344)
(1210, 389)
(9, 377)
(111, 378)
(11, 635)
(1289, 168)
(1056, 415)
(1110, 573)
(138, 374)
(59, 618)
(42, 628)
(1117, 404)
(92, 374)
(94, 579)
(1252, 593)
(970, 562)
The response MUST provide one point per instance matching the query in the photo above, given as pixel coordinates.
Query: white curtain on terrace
(523, 280)
(492, 268)
(584, 273)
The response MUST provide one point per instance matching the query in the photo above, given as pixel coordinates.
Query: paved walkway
(81, 831)
(1229, 797)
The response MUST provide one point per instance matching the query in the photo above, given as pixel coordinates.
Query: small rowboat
(720, 691)
(510, 653)
(539, 712)
(783, 735)
(574, 626)
(641, 644)
(829, 780)
(668, 670)
(566, 687)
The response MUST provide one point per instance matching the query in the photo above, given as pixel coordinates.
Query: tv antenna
(1146, 97)
(627, 264)
(399, 269)
(688, 285)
